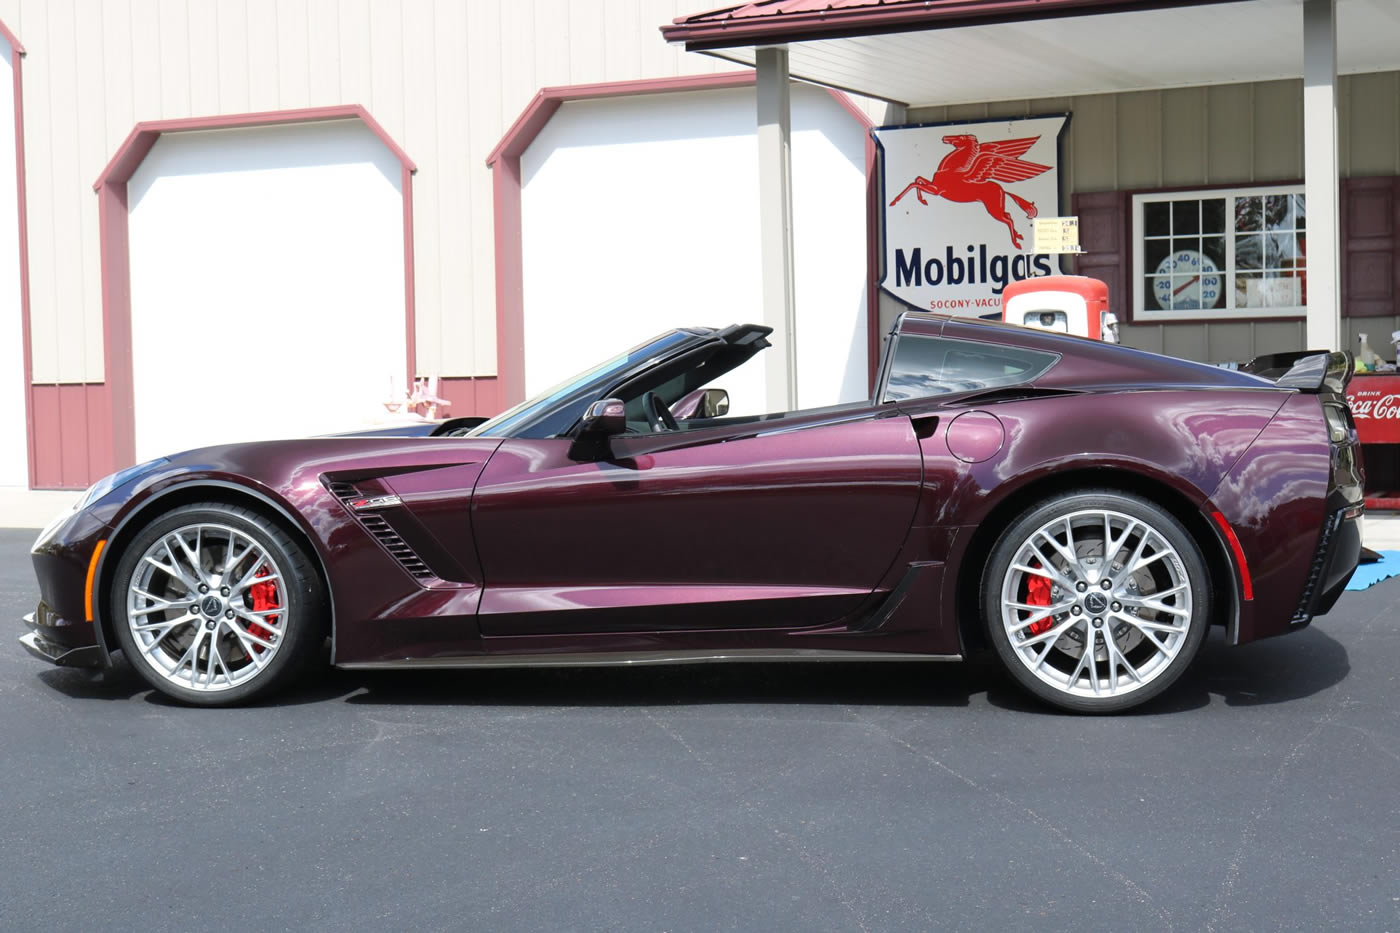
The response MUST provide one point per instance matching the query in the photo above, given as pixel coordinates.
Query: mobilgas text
(998, 270)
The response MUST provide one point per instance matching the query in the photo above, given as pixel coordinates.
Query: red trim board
(17, 54)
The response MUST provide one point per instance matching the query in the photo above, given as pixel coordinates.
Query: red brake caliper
(1038, 594)
(265, 598)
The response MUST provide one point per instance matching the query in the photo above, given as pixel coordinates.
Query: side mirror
(715, 404)
(702, 403)
(603, 419)
(607, 416)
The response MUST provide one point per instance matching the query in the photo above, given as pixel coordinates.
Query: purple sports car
(1084, 510)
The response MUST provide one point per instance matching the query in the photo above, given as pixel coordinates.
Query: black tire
(1062, 677)
(301, 594)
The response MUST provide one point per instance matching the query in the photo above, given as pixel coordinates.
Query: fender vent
(396, 546)
(343, 490)
(384, 533)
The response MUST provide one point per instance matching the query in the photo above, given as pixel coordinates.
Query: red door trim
(17, 54)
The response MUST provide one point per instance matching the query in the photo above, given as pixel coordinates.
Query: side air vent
(343, 490)
(384, 533)
(377, 526)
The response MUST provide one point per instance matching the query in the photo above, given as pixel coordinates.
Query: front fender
(124, 517)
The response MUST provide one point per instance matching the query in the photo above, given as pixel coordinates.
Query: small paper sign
(1057, 235)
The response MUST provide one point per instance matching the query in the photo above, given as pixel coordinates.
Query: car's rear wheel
(1096, 601)
(214, 605)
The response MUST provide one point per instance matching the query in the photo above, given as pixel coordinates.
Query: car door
(777, 524)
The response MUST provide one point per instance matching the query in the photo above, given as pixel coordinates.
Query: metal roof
(770, 21)
(940, 52)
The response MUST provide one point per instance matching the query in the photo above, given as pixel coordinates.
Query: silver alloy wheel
(1112, 605)
(205, 607)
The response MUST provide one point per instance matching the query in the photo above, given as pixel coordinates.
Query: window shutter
(1104, 237)
(1370, 261)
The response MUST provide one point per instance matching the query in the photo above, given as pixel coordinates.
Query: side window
(928, 366)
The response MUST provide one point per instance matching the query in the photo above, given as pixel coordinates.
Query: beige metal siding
(447, 77)
(1229, 134)
(444, 77)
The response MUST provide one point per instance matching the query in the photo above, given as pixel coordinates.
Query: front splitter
(62, 655)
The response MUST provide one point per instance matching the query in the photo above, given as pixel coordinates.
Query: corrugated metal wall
(444, 77)
(1228, 134)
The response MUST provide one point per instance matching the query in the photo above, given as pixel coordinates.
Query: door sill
(639, 658)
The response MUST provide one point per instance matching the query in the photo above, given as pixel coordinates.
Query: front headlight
(120, 478)
(51, 529)
(94, 492)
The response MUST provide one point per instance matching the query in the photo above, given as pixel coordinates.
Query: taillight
(1338, 423)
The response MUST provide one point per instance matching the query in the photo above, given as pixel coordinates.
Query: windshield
(580, 389)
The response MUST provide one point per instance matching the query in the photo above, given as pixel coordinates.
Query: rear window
(928, 366)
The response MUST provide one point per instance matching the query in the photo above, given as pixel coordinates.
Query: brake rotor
(1040, 591)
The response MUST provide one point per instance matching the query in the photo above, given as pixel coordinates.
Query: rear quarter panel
(1275, 499)
(1186, 439)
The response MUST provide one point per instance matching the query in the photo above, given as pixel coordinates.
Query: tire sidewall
(300, 593)
(1165, 524)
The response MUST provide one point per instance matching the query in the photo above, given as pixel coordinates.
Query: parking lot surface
(1260, 793)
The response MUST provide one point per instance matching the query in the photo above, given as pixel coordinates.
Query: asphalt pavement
(1261, 793)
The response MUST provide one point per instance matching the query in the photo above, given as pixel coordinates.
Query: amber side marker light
(1245, 583)
(91, 576)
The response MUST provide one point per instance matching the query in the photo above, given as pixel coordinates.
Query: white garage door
(640, 214)
(14, 465)
(267, 284)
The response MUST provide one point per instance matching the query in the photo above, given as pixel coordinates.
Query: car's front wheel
(1096, 601)
(215, 605)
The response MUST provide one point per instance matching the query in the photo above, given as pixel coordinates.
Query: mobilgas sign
(959, 202)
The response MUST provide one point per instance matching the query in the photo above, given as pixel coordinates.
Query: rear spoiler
(1305, 370)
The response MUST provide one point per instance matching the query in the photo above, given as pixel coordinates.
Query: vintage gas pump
(1070, 304)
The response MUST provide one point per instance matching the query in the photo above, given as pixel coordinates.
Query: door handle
(924, 425)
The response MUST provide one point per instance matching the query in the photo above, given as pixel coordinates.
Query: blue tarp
(1368, 575)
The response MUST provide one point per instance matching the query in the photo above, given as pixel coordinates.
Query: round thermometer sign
(1187, 280)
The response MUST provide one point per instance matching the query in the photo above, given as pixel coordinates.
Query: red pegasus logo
(971, 172)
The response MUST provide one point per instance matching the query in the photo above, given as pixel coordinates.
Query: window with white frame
(1203, 255)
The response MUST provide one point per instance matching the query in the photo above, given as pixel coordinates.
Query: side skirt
(631, 658)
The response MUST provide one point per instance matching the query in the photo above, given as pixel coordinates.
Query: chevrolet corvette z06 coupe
(1085, 511)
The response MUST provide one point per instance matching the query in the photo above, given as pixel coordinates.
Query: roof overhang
(934, 52)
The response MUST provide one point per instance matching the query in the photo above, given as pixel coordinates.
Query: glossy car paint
(770, 525)
(850, 529)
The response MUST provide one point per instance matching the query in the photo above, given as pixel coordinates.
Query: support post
(1320, 174)
(775, 223)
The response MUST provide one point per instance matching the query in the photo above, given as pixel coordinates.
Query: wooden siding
(1222, 135)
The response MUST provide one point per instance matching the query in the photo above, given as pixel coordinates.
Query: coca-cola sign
(1375, 404)
(1386, 406)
